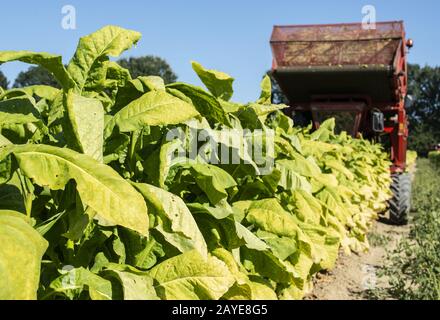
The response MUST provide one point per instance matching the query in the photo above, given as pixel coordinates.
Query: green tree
(34, 76)
(149, 66)
(424, 86)
(3, 81)
(424, 114)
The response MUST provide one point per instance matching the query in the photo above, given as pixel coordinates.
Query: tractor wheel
(400, 203)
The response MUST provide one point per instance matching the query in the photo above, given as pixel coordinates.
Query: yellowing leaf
(20, 257)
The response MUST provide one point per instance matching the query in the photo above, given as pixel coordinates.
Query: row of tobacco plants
(103, 197)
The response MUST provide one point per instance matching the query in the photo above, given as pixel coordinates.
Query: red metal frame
(299, 46)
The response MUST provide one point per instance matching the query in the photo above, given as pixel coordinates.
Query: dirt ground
(354, 275)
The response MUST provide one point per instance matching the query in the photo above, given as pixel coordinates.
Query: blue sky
(229, 35)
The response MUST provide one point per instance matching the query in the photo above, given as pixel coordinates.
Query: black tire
(400, 203)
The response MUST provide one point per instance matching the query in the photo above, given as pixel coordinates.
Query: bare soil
(356, 274)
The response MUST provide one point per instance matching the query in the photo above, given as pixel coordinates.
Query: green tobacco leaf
(42, 91)
(99, 186)
(20, 105)
(4, 141)
(142, 252)
(219, 226)
(152, 109)
(20, 120)
(152, 82)
(251, 240)
(266, 90)
(206, 104)
(217, 82)
(189, 276)
(52, 63)
(339, 167)
(290, 179)
(20, 257)
(115, 147)
(267, 265)
(135, 88)
(108, 41)
(261, 291)
(262, 110)
(48, 224)
(10, 195)
(117, 74)
(135, 285)
(270, 216)
(7, 119)
(235, 146)
(159, 163)
(72, 282)
(282, 247)
(179, 227)
(326, 129)
(307, 206)
(301, 165)
(241, 290)
(86, 120)
(106, 75)
(218, 232)
(6, 164)
(213, 180)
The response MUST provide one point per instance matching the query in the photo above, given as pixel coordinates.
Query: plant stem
(132, 150)
(27, 194)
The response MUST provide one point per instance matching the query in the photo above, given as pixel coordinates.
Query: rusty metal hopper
(344, 59)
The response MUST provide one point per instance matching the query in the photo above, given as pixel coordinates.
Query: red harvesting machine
(356, 75)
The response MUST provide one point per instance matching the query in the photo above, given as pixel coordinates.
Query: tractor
(356, 74)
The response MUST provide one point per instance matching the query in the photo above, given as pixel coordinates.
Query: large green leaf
(270, 216)
(7, 119)
(300, 165)
(205, 103)
(52, 63)
(154, 108)
(290, 179)
(179, 227)
(20, 120)
(86, 120)
(141, 252)
(266, 90)
(189, 276)
(10, 195)
(135, 285)
(20, 105)
(135, 88)
(20, 257)
(92, 49)
(213, 180)
(99, 186)
(74, 281)
(220, 228)
(264, 263)
(159, 163)
(4, 141)
(42, 91)
(261, 291)
(217, 82)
